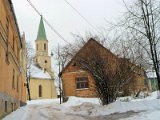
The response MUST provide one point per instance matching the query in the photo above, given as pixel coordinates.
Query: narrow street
(81, 109)
(40, 112)
(115, 116)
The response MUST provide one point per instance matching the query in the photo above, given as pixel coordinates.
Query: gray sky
(63, 18)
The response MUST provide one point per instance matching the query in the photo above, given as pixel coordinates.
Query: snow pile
(38, 73)
(73, 101)
(151, 74)
(92, 107)
(142, 97)
(43, 101)
(153, 95)
(85, 108)
(121, 107)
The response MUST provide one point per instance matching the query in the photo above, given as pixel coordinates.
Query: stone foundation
(8, 104)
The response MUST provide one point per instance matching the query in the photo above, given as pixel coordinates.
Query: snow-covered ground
(90, 109)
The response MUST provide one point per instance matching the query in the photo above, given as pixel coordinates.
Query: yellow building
(41, 84)
(42, 80)
(12, 61)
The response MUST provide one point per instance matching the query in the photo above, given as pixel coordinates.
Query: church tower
(41, 77)
(42, 58)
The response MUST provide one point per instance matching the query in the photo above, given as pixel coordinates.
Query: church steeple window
(37, 47)
(44, 46)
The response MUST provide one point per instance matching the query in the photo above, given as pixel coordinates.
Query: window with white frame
(82, 83)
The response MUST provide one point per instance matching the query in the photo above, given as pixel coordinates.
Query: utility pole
(59, 76)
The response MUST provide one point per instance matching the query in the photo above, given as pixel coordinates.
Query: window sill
(82, 89)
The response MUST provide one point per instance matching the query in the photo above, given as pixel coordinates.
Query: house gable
(91, 44)
(88, 54)
(72, 72)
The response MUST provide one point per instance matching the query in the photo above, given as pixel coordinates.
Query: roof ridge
(90, 40)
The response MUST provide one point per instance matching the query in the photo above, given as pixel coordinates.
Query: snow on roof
(151, 74)
(36, 72)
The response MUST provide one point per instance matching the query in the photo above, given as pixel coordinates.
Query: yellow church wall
(48, 88)
(41, 61)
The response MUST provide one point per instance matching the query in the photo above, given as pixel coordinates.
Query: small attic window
(74, 64)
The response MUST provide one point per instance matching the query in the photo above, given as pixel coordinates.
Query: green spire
(41, 31)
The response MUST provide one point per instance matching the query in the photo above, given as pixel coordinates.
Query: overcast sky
(64, 19)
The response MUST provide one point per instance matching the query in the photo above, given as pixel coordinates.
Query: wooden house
(78, 82)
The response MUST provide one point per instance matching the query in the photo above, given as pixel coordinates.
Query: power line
(34, 7)
(45, 20)
(81, 16)
(52, 28)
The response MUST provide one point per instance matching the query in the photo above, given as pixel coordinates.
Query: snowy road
(40, 112)
(115, 116)
(88, 109)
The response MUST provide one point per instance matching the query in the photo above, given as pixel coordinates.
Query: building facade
(80, 83)
(42, 84)
(12, 61)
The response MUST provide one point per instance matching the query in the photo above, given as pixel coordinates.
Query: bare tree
(124, 47)
(29, 57)
(142, 22)
(67, 51)
(110, 73)
(63, 54)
